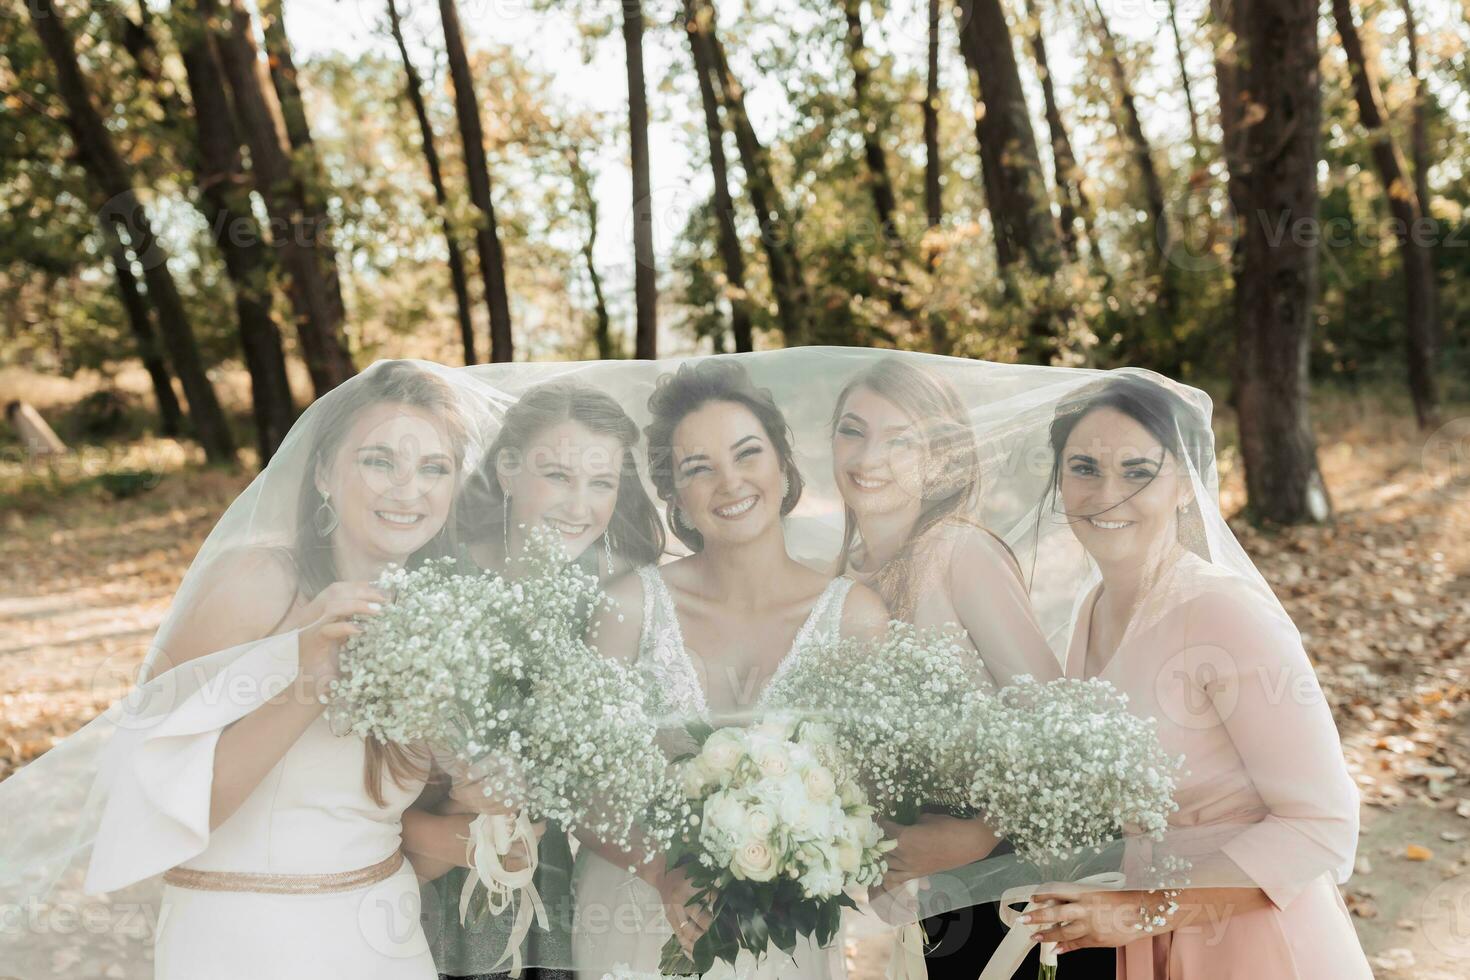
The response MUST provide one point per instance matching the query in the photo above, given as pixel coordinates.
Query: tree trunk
(1408, 215)
(729, 237)
(1024, 229)
(304, 244)
(1073, 203)
(1142, 149)
(1195, 142)
(1420, 148)
(1420, 137)
(458, 280)
(477, 171)
(283, 74)
(587, 202)
(136, 309)
(880, 184)
(224, 202)
(114, 180)
(778, 235)
(645, 272)
(939, 337)
(1271, 105)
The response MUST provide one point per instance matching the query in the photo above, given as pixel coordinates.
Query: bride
(278, 841)
(709, 632)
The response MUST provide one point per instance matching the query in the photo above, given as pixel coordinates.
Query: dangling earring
(785, 487)
(505, 529)
(676, 517)
(607, 551)
(325, 518)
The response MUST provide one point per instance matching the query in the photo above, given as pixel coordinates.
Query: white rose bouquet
(781, 835)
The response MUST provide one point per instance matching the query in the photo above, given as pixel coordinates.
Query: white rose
(722, 752)
(860, 831)
(760, 821)
(725, 813)
(695, 778)
(852, 794)
(820, 786)
(755, 860)
(807, 819)
(772, 759)
(849, 858)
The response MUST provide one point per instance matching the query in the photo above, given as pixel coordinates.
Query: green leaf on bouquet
(783, 935)
(827, 922)
(699, 731)
(673, 962)
(755, 935)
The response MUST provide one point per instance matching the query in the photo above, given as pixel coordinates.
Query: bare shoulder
(863, 612)
(617, 625)
(240, 596)
(976, 553)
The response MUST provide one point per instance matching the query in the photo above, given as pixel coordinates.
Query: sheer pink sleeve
(1254, 670)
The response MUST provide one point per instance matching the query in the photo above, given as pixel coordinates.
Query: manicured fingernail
(375, 606)
(1024, 918)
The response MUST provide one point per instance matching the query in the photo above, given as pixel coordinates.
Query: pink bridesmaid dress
(1223, 671)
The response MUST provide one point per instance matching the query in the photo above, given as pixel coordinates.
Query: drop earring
(607, 552)
(676, 517)
(505, 530)
(785, 487)
(325, 519)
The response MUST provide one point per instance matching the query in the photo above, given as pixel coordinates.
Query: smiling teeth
(736, 510)
(573, 530)
(1109, 525)
(404, 519)
(868, 484)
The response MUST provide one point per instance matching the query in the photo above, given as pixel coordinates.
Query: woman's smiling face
(877, 455)
(727, 473)
(1120, 487)
(567, 479)
(391, 481)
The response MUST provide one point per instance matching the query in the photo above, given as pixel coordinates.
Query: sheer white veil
(52, 808)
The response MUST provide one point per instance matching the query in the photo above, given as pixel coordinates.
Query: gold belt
(273, 884)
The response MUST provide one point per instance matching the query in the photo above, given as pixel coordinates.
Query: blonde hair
(951, 471)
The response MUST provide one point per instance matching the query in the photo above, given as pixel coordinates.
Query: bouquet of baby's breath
(1063, 769)
(590, 748)
(781, 837)
(437, 664)
(488, 667)
(900, 706)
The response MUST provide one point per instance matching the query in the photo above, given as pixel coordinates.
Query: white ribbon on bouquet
(1012, 950)
(492, 837)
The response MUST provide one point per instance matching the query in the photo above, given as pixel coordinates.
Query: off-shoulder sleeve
(1267, 697)
(162, 758)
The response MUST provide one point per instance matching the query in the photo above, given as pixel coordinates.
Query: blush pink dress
(1222, 669)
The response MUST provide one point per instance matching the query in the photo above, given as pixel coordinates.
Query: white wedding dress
(620, 917)
(245, 911)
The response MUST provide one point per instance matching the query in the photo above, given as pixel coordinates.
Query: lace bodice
(665, 662)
